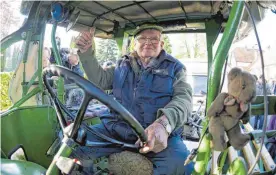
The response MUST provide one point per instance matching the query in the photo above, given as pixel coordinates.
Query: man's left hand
(157, 138)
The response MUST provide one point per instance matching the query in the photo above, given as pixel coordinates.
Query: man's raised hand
(85, 39)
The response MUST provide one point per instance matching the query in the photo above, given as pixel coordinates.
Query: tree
(131, 45)
(200, 51)
(15, 56)
(5, 101)
(167, 44)
(106, 50)
(191, 46)
(9, 18)
(196, 47)
(187, 49)
(3, 61)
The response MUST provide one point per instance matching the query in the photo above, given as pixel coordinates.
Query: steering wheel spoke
(80, 114)
(61, 118)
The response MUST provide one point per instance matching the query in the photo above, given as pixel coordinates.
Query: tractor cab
(39, 132)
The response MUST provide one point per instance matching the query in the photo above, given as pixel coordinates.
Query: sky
(266, 31)
(60, 32)
(16, 12)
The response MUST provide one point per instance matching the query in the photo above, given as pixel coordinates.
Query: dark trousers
(259, 122)
(169, 161)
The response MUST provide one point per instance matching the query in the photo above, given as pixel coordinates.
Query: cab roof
(175, 16)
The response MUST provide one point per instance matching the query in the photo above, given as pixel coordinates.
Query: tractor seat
(129, 163)
(17, 167)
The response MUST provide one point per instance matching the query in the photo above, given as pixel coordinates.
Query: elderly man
(151, 85)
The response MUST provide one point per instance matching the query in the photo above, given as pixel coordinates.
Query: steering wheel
(91, 91)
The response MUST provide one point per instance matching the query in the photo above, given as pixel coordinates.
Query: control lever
(54, 147)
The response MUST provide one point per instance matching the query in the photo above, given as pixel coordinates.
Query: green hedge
(5, 80)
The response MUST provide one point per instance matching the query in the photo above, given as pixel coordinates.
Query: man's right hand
(84, 40)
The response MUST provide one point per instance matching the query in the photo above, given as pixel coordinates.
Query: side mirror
(18, 153)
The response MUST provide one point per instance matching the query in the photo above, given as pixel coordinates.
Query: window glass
(199, 84)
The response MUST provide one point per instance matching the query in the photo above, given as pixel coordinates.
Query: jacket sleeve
(95, 73)
(180, 107)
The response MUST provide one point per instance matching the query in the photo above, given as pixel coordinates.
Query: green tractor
(37, 127)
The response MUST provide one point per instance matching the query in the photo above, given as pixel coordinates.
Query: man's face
(148, 43)
(73, 60)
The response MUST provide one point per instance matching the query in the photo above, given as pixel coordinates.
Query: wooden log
(250, 157)
(266, 157)
(232, 154)
(215, 156)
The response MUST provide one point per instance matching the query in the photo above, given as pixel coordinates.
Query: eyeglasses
(143, 40)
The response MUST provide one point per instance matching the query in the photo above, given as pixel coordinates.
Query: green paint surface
(32, 127)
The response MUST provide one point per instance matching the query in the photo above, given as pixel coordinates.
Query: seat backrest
(17, 167)
(33, 127)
